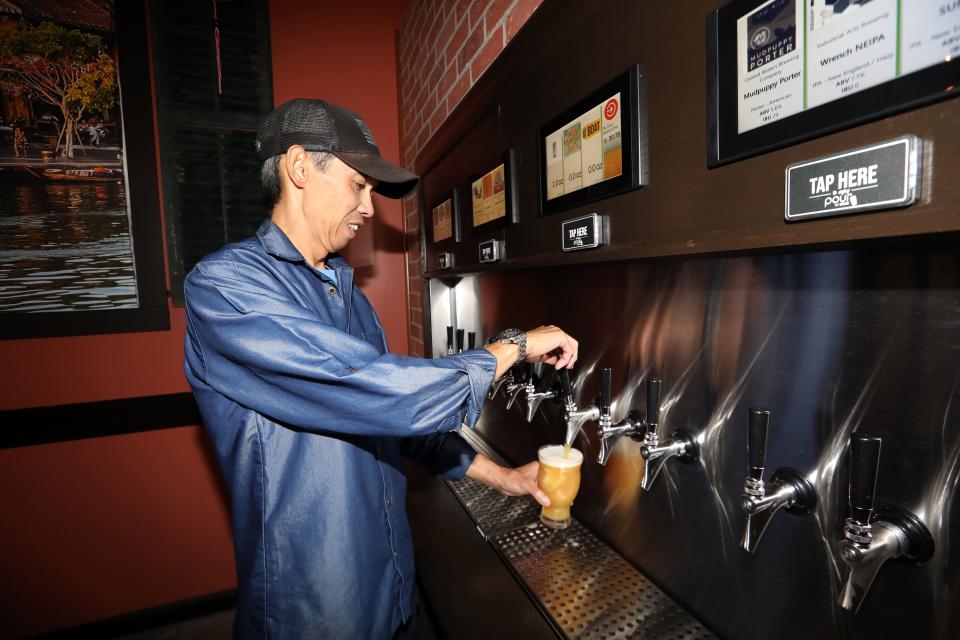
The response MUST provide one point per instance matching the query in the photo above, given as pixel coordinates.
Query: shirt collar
(276, 243)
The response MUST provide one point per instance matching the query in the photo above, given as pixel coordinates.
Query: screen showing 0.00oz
(794, 55)
(586, 150)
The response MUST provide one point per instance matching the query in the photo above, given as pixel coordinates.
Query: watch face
(508, 334)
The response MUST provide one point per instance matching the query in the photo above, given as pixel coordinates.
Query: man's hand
(552, 346)
(549, 345)
(521, 481)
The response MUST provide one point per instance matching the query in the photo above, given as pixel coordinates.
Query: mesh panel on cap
(303, 116)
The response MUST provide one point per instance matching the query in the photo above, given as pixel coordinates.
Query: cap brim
(393, 180)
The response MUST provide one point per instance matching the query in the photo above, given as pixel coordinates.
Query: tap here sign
(880, 176)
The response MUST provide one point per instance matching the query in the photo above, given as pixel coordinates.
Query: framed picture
(493, 196)
(81, 251)
(445, 218)
(783, 71)
(594, 149)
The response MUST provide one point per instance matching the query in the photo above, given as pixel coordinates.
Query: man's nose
(366, 206)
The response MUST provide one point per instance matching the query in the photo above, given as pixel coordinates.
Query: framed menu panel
(444, 218)
(493, 195)
(781, 71)
(593, 149)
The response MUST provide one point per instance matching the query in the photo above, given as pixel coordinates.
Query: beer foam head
(553, 455)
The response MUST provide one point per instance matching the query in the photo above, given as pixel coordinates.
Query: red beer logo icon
(610, 109)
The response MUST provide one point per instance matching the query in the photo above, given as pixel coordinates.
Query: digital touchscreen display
(794, 55)
(586, 150)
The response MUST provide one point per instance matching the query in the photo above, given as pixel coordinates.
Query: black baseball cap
(318, 125)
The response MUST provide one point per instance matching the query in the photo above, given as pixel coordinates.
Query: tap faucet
(634, 425)
(450, 350)
(787, 488)
(573, 415)
(680, 445)
(506, 378)
(459, 340)
(534, 397)
(521, 383)
(872, 536)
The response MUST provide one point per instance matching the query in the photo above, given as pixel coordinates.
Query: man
(307, 410)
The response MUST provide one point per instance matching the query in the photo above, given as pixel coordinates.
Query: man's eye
(359, 186)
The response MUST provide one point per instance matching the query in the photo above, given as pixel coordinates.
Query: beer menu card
(443, 220)
(793, 55)
(586, 150)
(489, 197)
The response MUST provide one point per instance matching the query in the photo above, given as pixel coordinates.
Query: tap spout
(513, 391)
(788, 490)
(506, 378)
(534, 398)
(633, 425)
(888, 541)
(576, 417)
(893, 532)
(760, 510)
(654, 456)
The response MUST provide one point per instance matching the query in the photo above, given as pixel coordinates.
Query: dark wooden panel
(569, 49)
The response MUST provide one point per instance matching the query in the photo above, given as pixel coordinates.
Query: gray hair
(270, 171)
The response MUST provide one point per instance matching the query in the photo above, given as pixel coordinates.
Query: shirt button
(332, 290)
(389, 502)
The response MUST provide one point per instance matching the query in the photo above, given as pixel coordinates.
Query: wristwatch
(513, 336)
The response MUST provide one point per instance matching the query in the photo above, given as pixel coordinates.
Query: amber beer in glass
(559, 478)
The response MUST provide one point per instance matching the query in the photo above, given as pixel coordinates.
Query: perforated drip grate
(589, 590)
(480, 445)
(493, 512)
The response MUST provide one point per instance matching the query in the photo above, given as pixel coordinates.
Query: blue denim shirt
(309, 415)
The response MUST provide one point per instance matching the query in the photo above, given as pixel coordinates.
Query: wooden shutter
(207, 123)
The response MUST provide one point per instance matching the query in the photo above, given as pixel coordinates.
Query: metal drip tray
(586, 587)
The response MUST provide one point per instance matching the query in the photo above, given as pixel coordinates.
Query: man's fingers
(534, 490)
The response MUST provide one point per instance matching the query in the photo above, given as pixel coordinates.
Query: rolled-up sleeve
(274, 356)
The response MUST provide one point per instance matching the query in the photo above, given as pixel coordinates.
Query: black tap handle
(653, 402)
(759, 421)
(565, 387)
(864, 463)
(530, 369)
(449, 339)
(606, 382)
(471, 340)
(459, 340)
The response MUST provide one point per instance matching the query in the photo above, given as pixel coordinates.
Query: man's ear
(294, 165)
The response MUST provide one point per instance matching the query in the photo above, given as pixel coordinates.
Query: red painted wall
(346, 53)
(95, 528)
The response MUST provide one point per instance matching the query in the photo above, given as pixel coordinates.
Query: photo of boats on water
(65, 242)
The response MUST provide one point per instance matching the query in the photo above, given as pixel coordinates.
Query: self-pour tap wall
(837, 326)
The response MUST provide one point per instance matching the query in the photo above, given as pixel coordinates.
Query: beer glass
(559, 478)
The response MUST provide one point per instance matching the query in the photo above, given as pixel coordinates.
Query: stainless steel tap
(450, 350)
(534, 397)
(871, 537)
(506, 378)
(521, 385)
(787, 488)
(680, 444)
(573, 415)
(634, 425)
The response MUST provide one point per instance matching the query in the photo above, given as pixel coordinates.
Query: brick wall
(443, 47)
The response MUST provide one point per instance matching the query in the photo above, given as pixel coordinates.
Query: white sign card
(790, 59)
